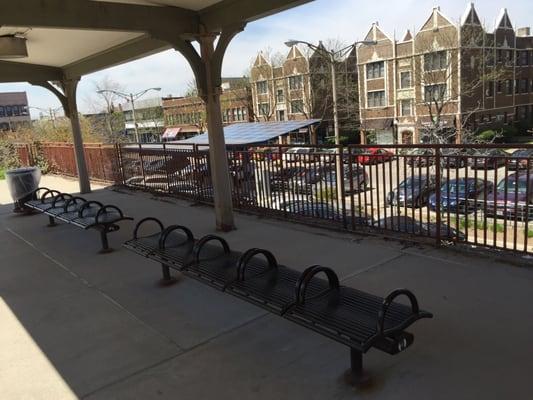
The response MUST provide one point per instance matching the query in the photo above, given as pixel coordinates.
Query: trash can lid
(23, 170)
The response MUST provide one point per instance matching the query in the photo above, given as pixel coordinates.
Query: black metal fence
(472, 194)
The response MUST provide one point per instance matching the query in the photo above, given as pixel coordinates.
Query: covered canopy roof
(254, 132)
(71, 38)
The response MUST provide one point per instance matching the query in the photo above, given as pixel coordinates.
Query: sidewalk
(103, 329)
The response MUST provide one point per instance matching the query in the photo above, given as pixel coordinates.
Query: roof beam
(126, 52)
(230, 12)
(96, 15)
(20, 72)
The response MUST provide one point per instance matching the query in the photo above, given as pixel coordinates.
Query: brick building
(300, 88)
(445, 75)
(186, 116)
(14, 111)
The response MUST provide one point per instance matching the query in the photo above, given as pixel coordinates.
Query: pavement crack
(378, 264)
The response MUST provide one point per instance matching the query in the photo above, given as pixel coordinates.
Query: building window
(239, 114)
(523, 58)
(376, 99)
(264, 109)
(435, 61)
(280, 97)
(499, 87)
(524, 85)
(499, 56)
(405, 80)
(295, 82)
(2, 111)
(435, 92)
(509, 57)
(509, 87)
(9, 111)
(489, 58)
(517, 86)
(262, 87)
(489, 89)
(375, 70)
(405, 108)
(521, 112)
(297, 106)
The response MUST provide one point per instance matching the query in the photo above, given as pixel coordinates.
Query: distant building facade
(301, 88)
(14, 112)
(148, 116)
(186, 116)
(403, 83)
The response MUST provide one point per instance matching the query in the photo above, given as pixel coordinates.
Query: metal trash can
(22, 183)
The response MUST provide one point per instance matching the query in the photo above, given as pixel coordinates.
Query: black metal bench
(349, 316)
(79, 212)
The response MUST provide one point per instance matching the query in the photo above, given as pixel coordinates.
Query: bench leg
(51, 221)
(105, 243)
(167, 279)
(356, 376)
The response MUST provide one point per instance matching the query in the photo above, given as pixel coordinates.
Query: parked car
(374, 155)
(405, 224)
(460, 195)
(357, 175)
(455, 158)
(413, 191)
(420, 157)
(313, 209)
(281, 178)
(488, 158)
(514, 197)
(304, 154)
(519, 159)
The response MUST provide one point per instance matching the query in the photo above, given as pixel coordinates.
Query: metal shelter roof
(72, 38)
(254, 132)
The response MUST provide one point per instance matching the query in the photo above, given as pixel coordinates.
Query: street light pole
(131, 99)
(329, 56)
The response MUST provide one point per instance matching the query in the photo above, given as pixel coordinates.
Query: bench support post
(51, 221)
(356, 375)
(105, 243)
(167, 279)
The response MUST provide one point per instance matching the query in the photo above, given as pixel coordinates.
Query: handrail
(104, 209)
(308, 274)
(142, 221)
(172, 228)
(248, 255)
(88, 204)
(204, 240)
(386, 304)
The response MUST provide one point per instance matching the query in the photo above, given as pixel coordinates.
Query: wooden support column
(207, 69)
(68, 100)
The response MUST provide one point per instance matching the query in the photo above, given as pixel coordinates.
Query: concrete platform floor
(76, 324)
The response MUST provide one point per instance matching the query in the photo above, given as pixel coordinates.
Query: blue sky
(347, 20)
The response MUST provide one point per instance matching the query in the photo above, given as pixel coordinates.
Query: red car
(374, 155)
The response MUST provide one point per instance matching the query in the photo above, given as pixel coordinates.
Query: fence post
(118, 150)
(166, 166)
(283, 176)
(341, 185)
(437, 194)
(142, 165)
(195, 173)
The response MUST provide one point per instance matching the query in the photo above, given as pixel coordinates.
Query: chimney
(523, 32)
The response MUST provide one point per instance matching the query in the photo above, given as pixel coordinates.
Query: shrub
(487, 135)
(9, 157)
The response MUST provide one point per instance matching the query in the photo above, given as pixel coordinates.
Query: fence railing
(102, 161)
(478, 195)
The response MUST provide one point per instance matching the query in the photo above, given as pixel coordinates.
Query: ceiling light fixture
(13, 46)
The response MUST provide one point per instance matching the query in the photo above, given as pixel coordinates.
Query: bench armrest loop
(251, 253)
(209, 238)
(142, 221)
(87, 205)
(308, 274)
(62, 196)
(104, 209)
(388, 301)
(172, 228)
(49, 193)
(73, 200)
